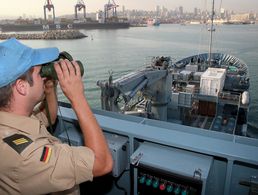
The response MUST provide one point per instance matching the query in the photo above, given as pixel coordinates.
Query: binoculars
(48, 69)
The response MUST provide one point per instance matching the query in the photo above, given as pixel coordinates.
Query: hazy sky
(35, 7)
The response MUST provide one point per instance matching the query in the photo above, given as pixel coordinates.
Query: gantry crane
(49, 6)
(110, 7)
(78, 7)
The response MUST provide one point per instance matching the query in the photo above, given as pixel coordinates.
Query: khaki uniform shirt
(34, 162)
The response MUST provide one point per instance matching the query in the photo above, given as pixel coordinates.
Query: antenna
(211, 31)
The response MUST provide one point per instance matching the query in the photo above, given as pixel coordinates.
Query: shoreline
(48, 35)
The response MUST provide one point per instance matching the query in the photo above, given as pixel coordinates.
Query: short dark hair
(6, 92)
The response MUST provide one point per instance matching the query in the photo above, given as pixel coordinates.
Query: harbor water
(121, 51)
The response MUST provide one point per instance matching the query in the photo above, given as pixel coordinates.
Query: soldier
(32, 160)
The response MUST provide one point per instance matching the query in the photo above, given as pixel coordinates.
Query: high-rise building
(195, 11)
(181, 10)
(164, 12)
(222, 13)
(158, 10)
(123, 10)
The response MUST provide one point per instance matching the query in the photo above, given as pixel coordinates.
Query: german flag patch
(46, 154)
(18, 142)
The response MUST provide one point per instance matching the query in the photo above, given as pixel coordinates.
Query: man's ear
(21, 86)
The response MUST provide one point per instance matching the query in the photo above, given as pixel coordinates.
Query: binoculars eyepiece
(48, 69)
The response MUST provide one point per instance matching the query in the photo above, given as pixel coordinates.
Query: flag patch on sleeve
(46, 154)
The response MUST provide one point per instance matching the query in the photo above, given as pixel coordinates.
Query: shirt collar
(30, 125)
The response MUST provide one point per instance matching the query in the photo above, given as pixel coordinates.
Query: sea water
(124, 50)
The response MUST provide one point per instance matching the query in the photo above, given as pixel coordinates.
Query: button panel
(153, 182)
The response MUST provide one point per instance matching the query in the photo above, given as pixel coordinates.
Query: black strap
(48, 117)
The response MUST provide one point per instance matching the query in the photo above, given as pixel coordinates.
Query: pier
(48, 35)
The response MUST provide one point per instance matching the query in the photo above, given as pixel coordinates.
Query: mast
(211, 31)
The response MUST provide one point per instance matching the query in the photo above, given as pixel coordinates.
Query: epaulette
(18, 142)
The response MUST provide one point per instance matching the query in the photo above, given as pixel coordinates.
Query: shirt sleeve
(55, 167)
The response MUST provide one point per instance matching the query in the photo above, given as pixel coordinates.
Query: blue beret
(17, 58)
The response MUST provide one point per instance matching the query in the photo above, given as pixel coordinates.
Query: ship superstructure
(195, 91)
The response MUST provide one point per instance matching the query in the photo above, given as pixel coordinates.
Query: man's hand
(50, 86)
(70, 81)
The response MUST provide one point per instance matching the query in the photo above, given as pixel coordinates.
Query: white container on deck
(212, 81)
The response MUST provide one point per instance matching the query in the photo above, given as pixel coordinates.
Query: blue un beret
(16, 58)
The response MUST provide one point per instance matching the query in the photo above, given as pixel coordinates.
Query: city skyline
(35, 8)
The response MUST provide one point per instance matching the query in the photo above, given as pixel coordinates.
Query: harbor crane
(110, 7)
(49, 6)
(78, 7)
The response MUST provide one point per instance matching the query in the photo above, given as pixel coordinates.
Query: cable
(48, 117)
(50, 123)
(65, 129)
(118, 178)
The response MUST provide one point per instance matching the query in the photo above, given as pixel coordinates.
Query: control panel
(160, 169)
(155, 181)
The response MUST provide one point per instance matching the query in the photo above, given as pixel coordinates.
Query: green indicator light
(184, 192)
(169, 188)
(142, 179)
(148, 182)
(155, 184)
(177, 190)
